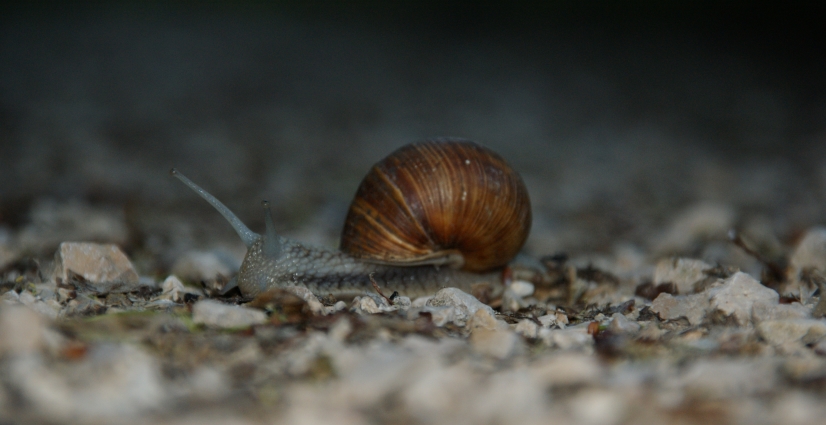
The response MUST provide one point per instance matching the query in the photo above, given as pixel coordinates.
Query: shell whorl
(441, 201)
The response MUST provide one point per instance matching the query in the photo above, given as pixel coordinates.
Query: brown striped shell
(443, 201)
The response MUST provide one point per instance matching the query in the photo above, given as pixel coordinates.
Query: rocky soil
(673, 275)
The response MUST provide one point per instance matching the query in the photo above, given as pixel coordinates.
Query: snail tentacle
(273, 244)
(248, 236)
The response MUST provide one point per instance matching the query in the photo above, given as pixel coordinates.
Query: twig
(376, 287)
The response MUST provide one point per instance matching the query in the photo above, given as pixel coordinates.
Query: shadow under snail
(432, 214)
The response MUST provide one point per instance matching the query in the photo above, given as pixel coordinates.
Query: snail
(433, 214)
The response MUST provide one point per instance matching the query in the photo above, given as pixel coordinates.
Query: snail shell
(439, 201)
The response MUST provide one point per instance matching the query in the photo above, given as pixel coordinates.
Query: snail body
(433, 214)
(325, 271)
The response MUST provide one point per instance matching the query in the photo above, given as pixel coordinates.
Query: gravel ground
(677, 171)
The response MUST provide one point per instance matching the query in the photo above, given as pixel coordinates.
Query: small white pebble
(217, 314)
(547, 320)
(522, 288)
(561, 320)
(527, 328)
(621, 324)
(402, 302)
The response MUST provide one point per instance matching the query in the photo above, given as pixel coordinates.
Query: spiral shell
(442, 201)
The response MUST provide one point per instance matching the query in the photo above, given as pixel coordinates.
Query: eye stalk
(272, 242)
(248, 236)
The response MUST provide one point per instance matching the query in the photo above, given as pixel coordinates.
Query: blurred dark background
(618, 114)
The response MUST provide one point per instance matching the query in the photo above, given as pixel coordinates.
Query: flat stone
(371, 373)
(651, 332)
(548, 320)
(43, 291)
(374, 305)
(621, 324)
(804, 368)
(568, 369)
(570, 338)
(798, 408)
(367, 305)
(217, 314)
(761, 311)
(420, 302)
(692, 307)
(443, 315)
(483, 319)
(721, 379)
(561, 319)
(49, 308)
(21, 330)
(402, 302)
(779, 332)
(527, 328)
(511, 396)
(466, 305)
(110, 383)
(492, 337)
(499, 344)
(513, 298)
(104, 267)
(439, 390)
(738, 294)
(682, 272)
(512, 302)
(208, 384)
(598, 407)
(174, 290)
(299, 360)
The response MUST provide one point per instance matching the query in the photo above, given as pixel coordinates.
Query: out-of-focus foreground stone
(220, 315)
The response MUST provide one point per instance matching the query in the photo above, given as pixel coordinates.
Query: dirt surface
(675, 158)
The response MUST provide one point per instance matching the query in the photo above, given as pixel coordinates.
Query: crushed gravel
(674, 272)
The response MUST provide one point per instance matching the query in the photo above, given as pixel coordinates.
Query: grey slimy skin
(273, 261)
(325, 272)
